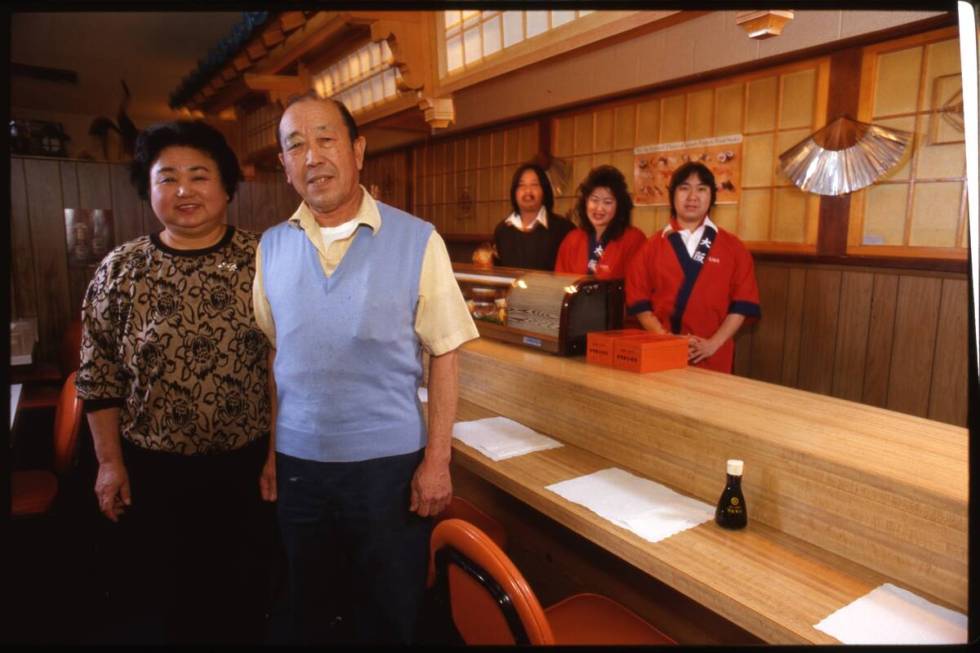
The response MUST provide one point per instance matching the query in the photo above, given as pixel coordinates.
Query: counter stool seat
(591, 619)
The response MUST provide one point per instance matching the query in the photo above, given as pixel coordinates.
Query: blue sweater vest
(348, 362)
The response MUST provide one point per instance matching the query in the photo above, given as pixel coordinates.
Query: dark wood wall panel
(127, 214)
(948, 394)
(852, 335)
(881, 335)
(916, 320)
(885, 337)
(818, 335)
(264, 211)
(794, 320)
(46, 213)
(23, 293)
(70, 195)
(767, 343)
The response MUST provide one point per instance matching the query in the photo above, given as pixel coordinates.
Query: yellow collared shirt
(442, 321)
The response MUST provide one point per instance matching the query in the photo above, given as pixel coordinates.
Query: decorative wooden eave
(763, 23)
(267, 62)
(410, 36)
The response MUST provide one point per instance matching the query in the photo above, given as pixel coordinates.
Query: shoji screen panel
(919, 208)
(771, 109)
(462, 183)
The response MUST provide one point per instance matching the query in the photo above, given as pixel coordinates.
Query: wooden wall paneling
(71, 194)
(742, 361)
(231, 214)
(948, 396)
(852, 335)
(263, 203)
(794, 321)
(818, 334)
(23, 300)
(47, 223)
(916, 321)
(287, 200)
(881, 335)
(94, 192)
(768, 341)
(127, 212)
(151, 224)
(245, 206)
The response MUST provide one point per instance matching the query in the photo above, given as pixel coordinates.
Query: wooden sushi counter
(842, 497)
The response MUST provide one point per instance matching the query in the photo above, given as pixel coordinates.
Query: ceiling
(151, 51)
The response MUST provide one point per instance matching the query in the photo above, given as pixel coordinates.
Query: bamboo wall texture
(43, 286)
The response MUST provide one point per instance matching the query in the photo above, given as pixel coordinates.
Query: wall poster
(653, 166)
(89, 236)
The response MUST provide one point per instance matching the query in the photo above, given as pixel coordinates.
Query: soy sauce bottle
(731, 512)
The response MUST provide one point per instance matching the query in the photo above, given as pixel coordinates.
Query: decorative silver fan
(843, 157)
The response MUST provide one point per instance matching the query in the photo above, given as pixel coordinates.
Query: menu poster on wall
(89, 236)
(653, 166)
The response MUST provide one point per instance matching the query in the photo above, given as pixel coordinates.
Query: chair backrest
(490, 600)
(460, 508)
(71, 344)
(67, 424)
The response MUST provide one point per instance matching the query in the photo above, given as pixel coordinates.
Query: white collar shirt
(693, 238)
(514, 220)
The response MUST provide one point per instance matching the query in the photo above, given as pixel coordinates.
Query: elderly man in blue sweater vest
(350, 291)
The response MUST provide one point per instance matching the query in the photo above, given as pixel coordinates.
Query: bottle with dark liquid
(731, 512)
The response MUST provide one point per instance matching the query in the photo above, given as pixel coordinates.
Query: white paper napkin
(892, 615)
(14, 400)
(649, 509)
(499, 438)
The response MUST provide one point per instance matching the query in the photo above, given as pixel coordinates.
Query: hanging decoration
(843, 157)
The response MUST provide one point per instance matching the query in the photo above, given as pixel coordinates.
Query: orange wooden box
(599, 344)
(650, 353)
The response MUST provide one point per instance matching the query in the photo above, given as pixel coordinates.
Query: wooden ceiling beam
(290, 20)
(273, 36)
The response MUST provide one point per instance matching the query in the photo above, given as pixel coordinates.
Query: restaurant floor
(56, 584)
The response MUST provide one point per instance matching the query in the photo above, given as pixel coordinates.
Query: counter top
(842, 497)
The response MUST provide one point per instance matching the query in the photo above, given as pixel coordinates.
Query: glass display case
(543, 310)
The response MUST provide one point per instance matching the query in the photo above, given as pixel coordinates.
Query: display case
(543, 310)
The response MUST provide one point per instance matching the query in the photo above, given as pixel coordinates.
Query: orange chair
(33, 491)
(492, 603)
(41, 387)
(460, 508)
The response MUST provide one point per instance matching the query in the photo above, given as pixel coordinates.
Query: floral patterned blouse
(169, 336)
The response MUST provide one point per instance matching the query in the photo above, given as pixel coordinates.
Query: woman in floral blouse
(174, 375)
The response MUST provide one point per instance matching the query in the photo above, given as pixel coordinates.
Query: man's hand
(432, 488)
(267, 479)
(112, 489)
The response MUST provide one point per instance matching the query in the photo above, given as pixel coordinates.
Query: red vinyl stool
(32, 492)
(492, 603)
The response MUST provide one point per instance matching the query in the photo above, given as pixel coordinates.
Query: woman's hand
(267, 479)
(112, 489)
(699, 349)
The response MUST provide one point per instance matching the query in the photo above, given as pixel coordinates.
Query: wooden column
(845, 82)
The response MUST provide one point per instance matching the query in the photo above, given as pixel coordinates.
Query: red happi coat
(688, 297)
(573, 255)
